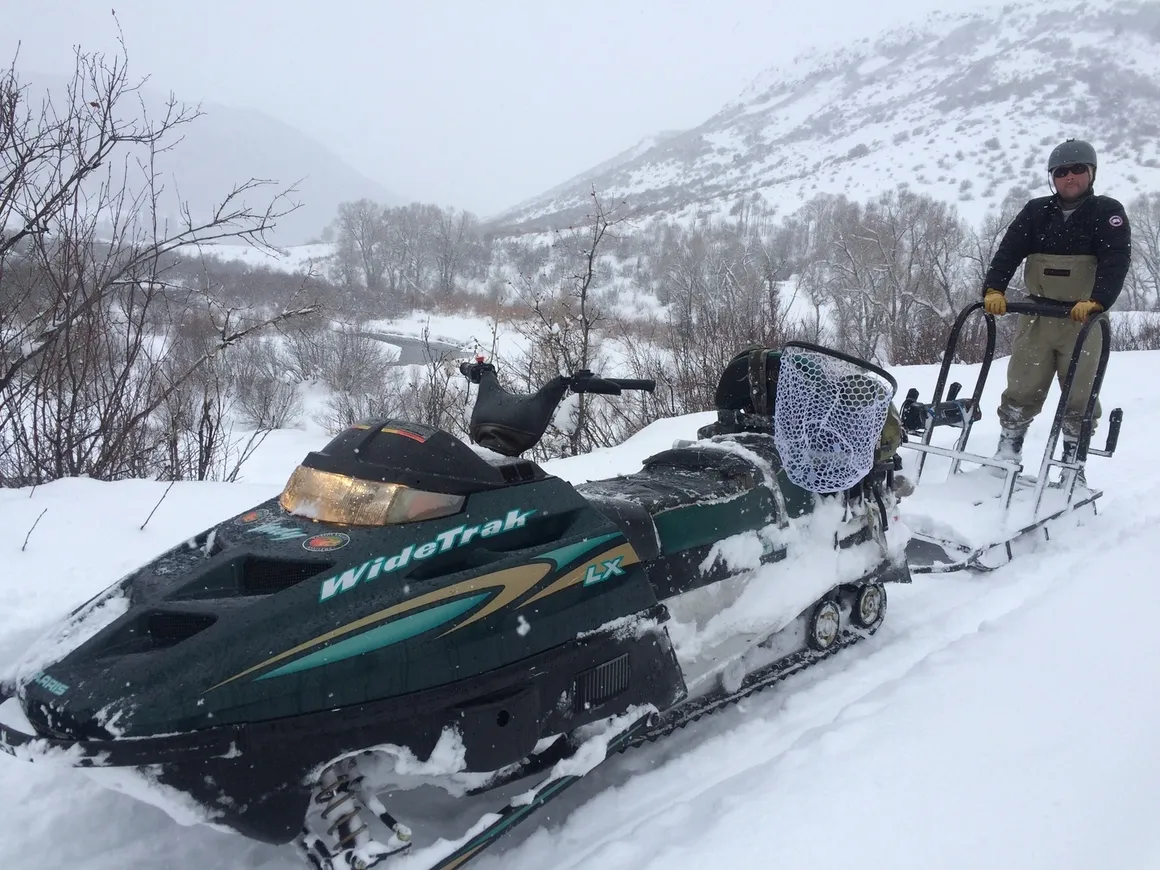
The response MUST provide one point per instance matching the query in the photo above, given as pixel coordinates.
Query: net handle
(817, 348)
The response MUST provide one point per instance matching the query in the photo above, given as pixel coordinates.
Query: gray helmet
(1072, 151)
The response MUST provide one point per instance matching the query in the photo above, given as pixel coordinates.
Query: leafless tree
(894, 273)
(563, 329)
(1142, 289)
(455, 239)
(363, 255)
(405, 255)
(86, 268)
(984, 241)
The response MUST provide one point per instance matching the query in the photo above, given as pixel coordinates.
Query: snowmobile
(412, 609)
(977, 518)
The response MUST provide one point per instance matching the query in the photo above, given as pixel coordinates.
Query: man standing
(1078, 247)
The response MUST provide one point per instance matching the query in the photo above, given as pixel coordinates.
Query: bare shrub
(1136, 331)
(267, 393)
(353, 362)
(385, 399)
(306, 348)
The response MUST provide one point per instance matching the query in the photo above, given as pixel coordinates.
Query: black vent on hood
(520, 471)
(247, 575)
(155, 630)
(170, 629)
(262, 576)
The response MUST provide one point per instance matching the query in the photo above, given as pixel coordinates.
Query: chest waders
(1043, 346)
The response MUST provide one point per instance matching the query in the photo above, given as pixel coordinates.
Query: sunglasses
(1074, 169)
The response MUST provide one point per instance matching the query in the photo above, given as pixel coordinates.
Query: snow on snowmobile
(415, 610)
(977, 519)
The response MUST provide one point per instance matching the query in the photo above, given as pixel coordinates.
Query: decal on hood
(326, 543)
(440, 543)
(53, 685)
(278, 531)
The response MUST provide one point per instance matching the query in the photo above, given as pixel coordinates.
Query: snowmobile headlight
(338, 498)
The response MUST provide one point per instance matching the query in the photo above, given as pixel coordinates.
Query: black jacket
(1099, 226)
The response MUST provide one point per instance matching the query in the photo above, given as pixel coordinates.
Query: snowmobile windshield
(338, 498)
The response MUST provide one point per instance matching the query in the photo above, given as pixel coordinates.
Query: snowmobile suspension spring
(335, 793)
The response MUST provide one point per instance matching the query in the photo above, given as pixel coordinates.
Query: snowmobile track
(758, 681)
(650, 729)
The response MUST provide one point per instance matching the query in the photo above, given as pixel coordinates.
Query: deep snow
(1006, 719)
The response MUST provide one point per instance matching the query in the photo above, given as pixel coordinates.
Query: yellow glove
(1081, 311)
(994, 301)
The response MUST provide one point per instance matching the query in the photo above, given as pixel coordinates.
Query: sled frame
(961, 414)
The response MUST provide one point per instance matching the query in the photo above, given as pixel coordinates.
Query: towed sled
(415, 611)
(977, 518)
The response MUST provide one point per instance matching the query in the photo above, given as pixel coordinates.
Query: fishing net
(828, 418)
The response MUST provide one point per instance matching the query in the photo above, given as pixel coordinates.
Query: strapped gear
(745, 393)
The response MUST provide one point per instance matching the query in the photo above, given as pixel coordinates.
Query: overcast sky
(473, 103)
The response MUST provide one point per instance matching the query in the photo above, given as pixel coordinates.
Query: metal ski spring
(335, 792)
(348, 843)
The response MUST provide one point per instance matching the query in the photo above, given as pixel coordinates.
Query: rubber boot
(1010, 449)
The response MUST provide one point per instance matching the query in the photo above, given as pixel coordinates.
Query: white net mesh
(828, 419)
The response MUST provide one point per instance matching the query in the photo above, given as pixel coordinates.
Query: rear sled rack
(1014, 506)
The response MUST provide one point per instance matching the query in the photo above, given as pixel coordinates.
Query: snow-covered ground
(1002, 720)
(295, 258)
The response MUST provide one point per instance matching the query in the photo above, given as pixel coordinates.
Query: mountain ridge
(981, 89)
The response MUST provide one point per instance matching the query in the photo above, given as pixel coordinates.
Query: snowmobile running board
(931, 550)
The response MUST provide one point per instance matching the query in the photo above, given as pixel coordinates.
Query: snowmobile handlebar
(585, 381)
(510, 423)
(1040, 309)
(582, 381)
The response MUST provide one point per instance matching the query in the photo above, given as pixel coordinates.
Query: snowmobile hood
(270, 615)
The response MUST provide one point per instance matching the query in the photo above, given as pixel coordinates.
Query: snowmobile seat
(692, 497)
(669, 480)
(701, 457)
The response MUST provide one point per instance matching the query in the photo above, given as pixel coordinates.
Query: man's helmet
(1072, 151)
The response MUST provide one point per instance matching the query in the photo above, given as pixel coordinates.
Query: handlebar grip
(1042, 309)
(647, 385)
(600, 386)
(1114, 421)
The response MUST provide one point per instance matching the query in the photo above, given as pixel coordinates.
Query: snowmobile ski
(525, 805)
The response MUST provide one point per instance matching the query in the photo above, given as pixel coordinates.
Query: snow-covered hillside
(963, 107)
(998, 720)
